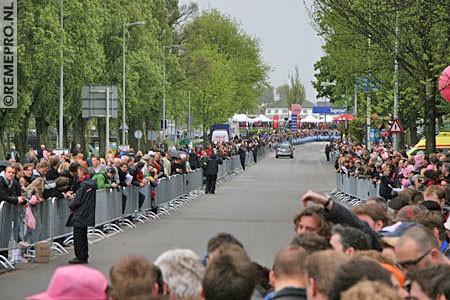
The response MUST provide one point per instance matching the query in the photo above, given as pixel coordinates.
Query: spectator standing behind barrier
(106, 179)
(194, 160)
(8, 191)
(82, 215)
(124, 181)
(211, 168)
(167, 165)
(30, 157)
(12, 154)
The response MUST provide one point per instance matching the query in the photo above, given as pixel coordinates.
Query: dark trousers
(243, 163)
(254, 157)
(141, 199)
(80, 242)
(211, 183)
(124, 203)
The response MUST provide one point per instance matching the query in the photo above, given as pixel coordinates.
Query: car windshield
(284, 147)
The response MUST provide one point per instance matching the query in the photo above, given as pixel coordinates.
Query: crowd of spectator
(399, 176)
(393, 247)
(42, 175)
(334, 255)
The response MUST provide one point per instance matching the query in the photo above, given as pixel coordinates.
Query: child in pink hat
(75, 282)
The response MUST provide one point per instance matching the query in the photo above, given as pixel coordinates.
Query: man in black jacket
(211, 168)
(242, 154)
(8, 191)
(82, 215)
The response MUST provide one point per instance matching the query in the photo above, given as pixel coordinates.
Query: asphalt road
(256, 206)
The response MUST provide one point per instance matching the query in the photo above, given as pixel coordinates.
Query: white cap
(447, 224)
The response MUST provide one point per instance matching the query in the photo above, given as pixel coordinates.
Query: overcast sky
(286, 36)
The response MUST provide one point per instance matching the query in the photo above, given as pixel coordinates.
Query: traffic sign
(138, 134)
(396, 127)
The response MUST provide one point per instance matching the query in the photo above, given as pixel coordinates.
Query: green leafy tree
(213, 43)
(423, 50)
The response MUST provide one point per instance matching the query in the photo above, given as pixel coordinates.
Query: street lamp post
(61, 82)
(125, 25)
(164, 88)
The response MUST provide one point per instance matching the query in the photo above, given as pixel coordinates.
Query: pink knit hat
(407, 170)
(405, 183)
(75, 282)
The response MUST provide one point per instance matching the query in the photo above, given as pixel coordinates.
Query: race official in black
(211, 168)
(242, 155)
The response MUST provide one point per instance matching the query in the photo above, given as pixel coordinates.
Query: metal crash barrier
(141, 204)
(354, 191)
(316, 138)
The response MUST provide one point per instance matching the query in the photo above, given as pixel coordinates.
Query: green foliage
(223, 67)
(361, 42)
(217, 62)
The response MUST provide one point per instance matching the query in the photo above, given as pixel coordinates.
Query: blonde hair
(63, 166)
(36, 187)
(370, 290)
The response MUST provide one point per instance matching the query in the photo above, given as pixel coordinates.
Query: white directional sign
(396, 127)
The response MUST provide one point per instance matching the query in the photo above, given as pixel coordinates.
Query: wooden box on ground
(42, 252)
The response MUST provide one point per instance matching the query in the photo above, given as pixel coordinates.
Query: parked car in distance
(285, 150)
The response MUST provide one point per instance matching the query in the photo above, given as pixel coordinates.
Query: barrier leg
(92, 231)
(6, 263)
(58, 248)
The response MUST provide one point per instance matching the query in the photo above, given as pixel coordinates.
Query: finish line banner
(8, 46)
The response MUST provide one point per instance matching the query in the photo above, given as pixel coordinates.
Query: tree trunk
(22, 136)
(2, 144)
(41, 131)
(66, 142)
(411, 136)
(79, 134)
(205, 137)
(132, 141)
(430, 116)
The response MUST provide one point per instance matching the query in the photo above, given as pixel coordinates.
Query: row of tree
(216, 62)
(363, 38)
